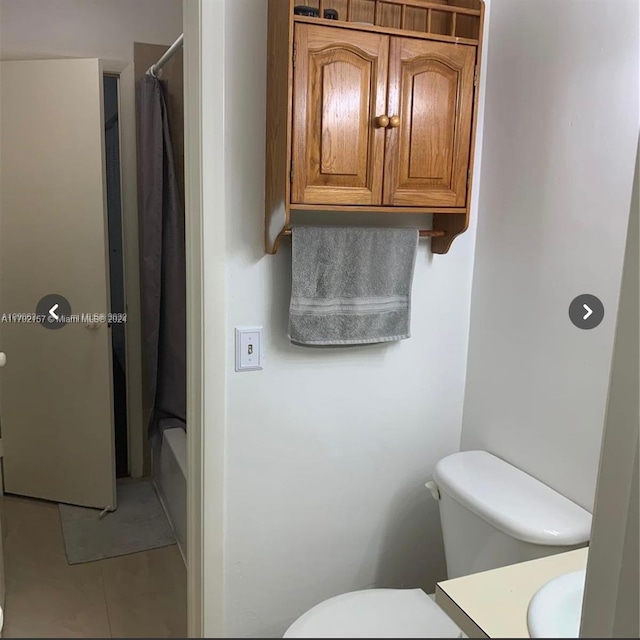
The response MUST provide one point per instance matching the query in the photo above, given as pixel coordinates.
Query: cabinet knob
(382, 122)
(394, 122)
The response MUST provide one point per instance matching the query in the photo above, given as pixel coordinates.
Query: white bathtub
(170, 479)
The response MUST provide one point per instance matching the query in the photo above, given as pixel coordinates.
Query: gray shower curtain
(162, 262)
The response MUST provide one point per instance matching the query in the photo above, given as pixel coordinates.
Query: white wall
(612, 589)
(206, 302)
(327, 450)
(560, 139)
(93, 28)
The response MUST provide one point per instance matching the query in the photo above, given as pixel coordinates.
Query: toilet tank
(493, 514)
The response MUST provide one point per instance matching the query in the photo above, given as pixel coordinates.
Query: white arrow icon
(589, 311)
(54, 315)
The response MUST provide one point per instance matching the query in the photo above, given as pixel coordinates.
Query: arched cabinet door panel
(431, 97)
(340, 88)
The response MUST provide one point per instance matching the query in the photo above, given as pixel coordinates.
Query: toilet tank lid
(511, 500)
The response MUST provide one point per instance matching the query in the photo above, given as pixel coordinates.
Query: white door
(56, 407)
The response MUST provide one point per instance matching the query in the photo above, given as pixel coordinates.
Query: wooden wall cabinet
(372, 112)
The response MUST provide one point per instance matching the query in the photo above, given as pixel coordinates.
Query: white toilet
(492, 515)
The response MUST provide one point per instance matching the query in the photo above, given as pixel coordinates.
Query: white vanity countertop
(493, 604)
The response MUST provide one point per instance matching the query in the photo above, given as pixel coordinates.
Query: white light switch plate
(248, 348)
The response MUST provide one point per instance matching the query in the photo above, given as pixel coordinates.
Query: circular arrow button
(586, 311)
(55, 310)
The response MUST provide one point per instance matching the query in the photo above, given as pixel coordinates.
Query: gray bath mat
(139, 523)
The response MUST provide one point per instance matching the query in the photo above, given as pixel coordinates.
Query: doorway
(79, 160)
(131, 459)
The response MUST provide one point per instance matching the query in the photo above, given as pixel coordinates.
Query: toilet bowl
(492, 515)
(375, 613)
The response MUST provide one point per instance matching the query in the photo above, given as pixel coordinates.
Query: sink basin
(556, 608)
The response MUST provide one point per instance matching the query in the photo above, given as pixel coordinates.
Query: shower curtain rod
(168, 54)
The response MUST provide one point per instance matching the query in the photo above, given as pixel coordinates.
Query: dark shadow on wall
(412, 554)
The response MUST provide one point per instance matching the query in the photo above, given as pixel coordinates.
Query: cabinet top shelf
(457, 21)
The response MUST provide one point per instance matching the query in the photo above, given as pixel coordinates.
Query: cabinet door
(340, 87)
(427, 153)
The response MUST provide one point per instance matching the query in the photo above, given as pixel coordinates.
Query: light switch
(248, 348)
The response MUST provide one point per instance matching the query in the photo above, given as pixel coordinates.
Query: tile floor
(138, 595)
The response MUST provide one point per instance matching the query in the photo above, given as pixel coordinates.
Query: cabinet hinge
(475, 77)
(291, 174)
(295, 54)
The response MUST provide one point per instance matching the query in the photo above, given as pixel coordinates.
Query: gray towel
(351, 285)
